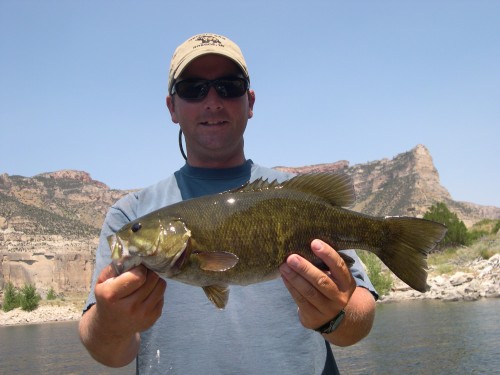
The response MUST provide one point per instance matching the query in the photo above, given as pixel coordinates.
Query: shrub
(496, 227)
(474, 235)
(51, 294)
(10, 297)
(457, 231)
(381, 280)
(29, 298)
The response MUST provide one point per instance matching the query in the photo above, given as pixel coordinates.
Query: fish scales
(243, 236)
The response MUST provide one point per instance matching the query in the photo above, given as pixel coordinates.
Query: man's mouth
(213, 123)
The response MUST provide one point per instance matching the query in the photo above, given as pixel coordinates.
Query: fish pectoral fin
(218, 261)
(217, 294)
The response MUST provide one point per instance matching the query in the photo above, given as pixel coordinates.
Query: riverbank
(479, 279)
(43, 314)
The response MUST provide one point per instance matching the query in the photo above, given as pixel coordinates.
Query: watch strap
(333, 324)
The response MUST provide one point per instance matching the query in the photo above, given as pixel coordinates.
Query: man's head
(200, 45)
(209, 97)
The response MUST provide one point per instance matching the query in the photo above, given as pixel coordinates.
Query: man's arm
(320, 296)
(125, 305)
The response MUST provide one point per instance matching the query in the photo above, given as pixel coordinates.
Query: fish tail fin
(411, 240)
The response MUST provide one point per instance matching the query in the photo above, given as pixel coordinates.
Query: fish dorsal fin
(257, 185)
(217, 261)
(217, 294)
(336, 188)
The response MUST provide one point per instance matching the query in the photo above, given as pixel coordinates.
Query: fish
(242, 236)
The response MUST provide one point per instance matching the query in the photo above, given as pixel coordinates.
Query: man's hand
(131, 302)
(321, 295)
(125, 305)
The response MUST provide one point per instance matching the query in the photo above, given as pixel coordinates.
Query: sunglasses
(197, 89)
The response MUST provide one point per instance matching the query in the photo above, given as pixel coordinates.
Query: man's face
(213, 126)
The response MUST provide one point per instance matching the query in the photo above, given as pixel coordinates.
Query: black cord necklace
(180, 145)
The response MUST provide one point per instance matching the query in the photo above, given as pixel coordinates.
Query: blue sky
(83, 85)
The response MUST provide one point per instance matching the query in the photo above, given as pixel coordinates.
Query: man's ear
(251, 102)
(171, 107)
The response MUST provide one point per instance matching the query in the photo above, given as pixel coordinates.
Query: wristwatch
(332, 325)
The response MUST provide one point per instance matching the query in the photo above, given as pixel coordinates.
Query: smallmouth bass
(242, 236)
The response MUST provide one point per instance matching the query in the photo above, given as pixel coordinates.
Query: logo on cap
(208, 40)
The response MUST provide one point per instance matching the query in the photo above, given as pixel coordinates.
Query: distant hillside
(407, 185)
(68, 203)
(49, 223)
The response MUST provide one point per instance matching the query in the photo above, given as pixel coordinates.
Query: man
(266, 328)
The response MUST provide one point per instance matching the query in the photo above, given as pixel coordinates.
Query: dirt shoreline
(43, 314)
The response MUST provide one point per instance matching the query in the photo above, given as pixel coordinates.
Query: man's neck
(216, 163)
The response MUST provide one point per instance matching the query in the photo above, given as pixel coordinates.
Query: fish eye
(136, 227)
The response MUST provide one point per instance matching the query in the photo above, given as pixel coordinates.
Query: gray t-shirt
(257, 333)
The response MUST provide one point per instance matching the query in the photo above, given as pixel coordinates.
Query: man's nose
(213, 100)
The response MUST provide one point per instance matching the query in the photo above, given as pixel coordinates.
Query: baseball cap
(200, 45)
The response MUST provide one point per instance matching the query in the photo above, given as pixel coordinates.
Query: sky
(83, 85)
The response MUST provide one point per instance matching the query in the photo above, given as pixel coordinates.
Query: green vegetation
(27, 298)
(10, 297)
(51, 294)
(496, 227)
(459, 258)
(381, 280)
(457, 231)
(458, 234)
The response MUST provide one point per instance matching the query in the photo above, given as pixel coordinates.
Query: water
(428, 337)
(418, 337)
(52, 348)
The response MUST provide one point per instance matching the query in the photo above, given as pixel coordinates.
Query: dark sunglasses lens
(192, 89)
(231, 88)
(198, 89)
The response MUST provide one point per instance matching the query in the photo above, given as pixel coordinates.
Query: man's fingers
(121, 286)
(339, 270)
(311, 288)
(107, 273)
(329, 256)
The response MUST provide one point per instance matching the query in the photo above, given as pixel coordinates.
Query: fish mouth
(117, 247)
(120, 255)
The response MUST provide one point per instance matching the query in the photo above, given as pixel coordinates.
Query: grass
(457, 259)
(381, 279)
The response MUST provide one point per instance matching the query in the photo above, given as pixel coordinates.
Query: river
(415, 337)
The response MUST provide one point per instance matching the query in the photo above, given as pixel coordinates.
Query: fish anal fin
(217, 261)
(217, 294)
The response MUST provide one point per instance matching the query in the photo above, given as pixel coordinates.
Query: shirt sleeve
(359, 274)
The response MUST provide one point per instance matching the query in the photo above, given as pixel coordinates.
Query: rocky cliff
(407, 184)
(49, 226)
(49, 223)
